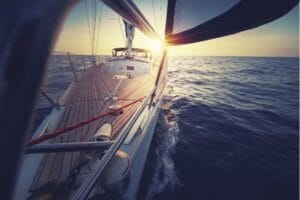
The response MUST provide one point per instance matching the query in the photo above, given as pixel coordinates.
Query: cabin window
(130, 68)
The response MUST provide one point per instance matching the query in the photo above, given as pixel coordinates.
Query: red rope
(77, 125)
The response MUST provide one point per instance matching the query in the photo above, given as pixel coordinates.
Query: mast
(129, 31)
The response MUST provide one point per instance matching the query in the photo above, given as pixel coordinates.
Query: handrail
(68, 147)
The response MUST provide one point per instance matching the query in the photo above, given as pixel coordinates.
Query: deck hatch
(130, 68)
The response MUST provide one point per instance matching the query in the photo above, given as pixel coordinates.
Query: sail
(129, 32)
(191, 21)
(130, 12)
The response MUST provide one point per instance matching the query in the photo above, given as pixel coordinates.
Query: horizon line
(256, 56)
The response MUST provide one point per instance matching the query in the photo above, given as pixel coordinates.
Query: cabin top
(122, 52)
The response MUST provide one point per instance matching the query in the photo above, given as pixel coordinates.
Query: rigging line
(162, 20)
(88, 21)
(95, 25)
(93, 28)
(99, 25)
(162, 17)
(154, 15)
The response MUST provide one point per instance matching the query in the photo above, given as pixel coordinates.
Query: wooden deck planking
(59, 157)
(48, 160)
(88, 94)
(38, 179)
(119, 122)
(87, 100)
(82, 130)
(71, 137)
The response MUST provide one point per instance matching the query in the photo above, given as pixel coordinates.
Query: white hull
(138, 151)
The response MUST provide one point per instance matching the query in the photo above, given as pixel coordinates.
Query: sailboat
(96, 149)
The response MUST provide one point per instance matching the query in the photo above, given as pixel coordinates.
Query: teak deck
(85, 99)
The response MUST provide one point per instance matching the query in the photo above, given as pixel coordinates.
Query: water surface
(228, 128)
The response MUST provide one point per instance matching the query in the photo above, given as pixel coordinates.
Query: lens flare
(155, 46)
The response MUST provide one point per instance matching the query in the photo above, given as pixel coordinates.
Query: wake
(165, 174)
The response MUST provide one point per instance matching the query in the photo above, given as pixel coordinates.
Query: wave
(165, 174)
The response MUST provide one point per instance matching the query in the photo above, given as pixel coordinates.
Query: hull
(139, 152)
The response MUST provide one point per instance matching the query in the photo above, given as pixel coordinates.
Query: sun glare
(155, 46)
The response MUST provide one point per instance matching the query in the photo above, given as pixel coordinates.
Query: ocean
(228, 128)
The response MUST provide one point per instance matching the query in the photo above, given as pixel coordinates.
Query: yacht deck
(85, 99)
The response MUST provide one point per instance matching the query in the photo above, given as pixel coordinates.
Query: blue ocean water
(228, 128)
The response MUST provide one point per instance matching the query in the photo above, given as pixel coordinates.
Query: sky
(278, 38)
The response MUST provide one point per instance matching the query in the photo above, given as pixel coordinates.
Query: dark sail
(191, 21)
